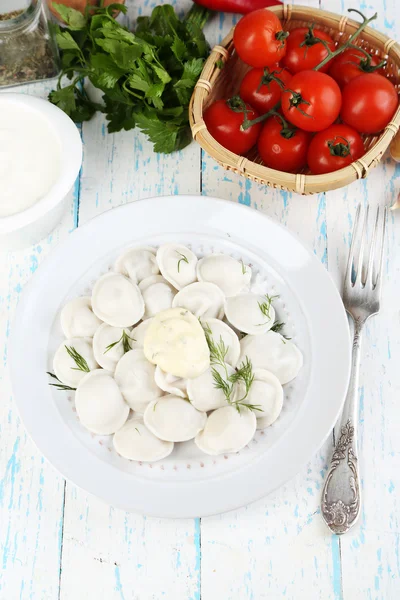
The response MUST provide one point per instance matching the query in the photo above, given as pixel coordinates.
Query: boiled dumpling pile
(171, 348)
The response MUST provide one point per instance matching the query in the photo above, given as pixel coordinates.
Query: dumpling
(99, 403)
(202, 299)
(78, 319)
(171, 384)
(250, 313)
(230, 275)
(135, 441)
(227, 430)
(177, 264)
(175, 341)
(157, 295)
(174, 419)
(218, 330)
(66, 368)
(266, 392)
(137, 263)
(117, 301)
(272, 352)
(203, 393)
(135, 377)
(139, 332)
(110, 344)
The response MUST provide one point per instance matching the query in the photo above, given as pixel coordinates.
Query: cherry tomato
(351, 64)
(334, 148)
(259, 39)
(224, 120)
(304, 51)
(262, 88)
(312, 101)
(369, 103)
(282, 147)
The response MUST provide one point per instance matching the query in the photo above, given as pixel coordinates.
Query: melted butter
(175, 341)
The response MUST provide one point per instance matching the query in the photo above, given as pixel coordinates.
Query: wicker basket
(216, 83)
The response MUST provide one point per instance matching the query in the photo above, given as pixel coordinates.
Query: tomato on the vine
(369, 103)
(282, 147)
(259, 38)
(225, 120)
(312, 101)
(305, 50)
(334, 148)
(351, 64)
(262, 88)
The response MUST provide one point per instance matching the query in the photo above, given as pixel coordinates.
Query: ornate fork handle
(340, 505)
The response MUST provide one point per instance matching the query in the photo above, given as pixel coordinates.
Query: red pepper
(237, 6)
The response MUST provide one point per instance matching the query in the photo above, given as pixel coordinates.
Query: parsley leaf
(66, 41)
(147, 76)
(73, 18)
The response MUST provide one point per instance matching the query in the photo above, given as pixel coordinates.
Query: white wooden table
(57, 542)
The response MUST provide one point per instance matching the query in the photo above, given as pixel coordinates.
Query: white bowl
(33, 224)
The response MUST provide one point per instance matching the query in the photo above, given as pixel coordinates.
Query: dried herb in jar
(27, 49)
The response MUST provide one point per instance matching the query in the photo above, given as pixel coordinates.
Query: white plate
(187, 483)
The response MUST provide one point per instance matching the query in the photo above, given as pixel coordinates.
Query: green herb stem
(60, 385)
(198, 15)
(228, 382)
(126, 343)
(183, 258)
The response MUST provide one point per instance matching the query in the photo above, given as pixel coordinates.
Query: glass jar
(28, 50)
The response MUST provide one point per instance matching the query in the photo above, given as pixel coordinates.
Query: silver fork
(340, 503)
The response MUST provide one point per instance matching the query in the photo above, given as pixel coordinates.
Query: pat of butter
(175, 341)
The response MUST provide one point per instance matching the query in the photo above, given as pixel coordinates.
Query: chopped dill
(60, 385)
(126, 343)
(226, 382)
(81, 364)
(182, 258)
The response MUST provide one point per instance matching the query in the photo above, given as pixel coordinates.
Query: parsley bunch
(147, 77)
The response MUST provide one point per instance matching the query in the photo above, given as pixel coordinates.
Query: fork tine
(378, 280)
(370, 266)
(359, 273)
(349, 268)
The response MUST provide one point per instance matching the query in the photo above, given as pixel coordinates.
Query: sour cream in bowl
(40, 158)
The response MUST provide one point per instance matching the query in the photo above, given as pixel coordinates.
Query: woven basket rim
(301, 183)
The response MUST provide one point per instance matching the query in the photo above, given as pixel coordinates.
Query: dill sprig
(126, 343)
(182, 258)
(277, 327)
(81, 364)
(226, 382)
(60, 385)
(265, 306)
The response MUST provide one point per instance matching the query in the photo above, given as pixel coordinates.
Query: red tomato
(304, 51)
(282, 147)
(312, 101)
(334, 148)
(369, 103)
(259, 39)
(351, 64)
(224, 120)
(261, 87)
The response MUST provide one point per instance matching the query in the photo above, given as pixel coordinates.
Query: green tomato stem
(349, 42)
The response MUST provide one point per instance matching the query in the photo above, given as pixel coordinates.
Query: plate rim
(251, 492)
